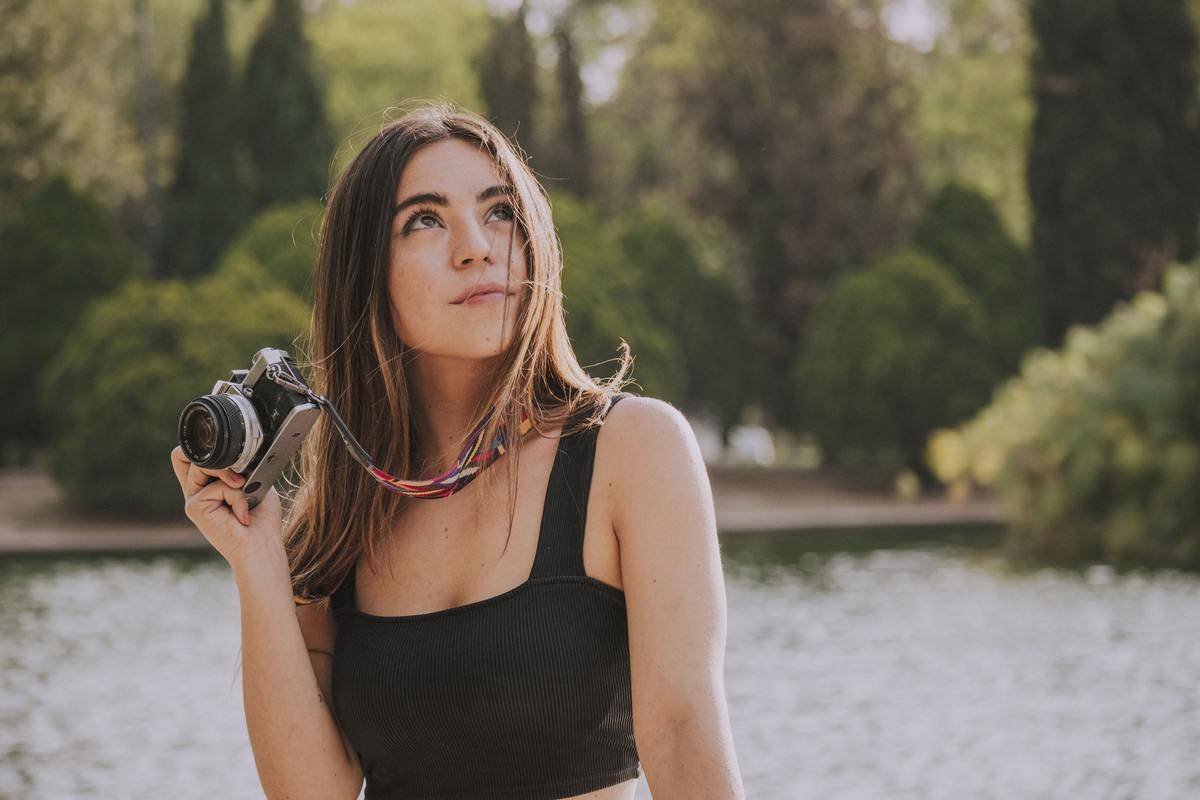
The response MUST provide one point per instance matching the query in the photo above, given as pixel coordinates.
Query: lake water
(901, 665)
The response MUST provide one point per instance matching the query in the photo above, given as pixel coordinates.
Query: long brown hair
(356, 358)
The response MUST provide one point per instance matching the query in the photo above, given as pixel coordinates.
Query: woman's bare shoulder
(637, 415)
(646, 451)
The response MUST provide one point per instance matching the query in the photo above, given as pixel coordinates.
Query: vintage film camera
(253, 423)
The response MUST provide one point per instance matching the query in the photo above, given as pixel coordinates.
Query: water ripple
(908, 673)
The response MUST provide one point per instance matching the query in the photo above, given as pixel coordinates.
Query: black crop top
(521, 696)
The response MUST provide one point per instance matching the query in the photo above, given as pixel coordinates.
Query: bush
(118, 387)
(282, 241)
(1096, 447)
(61, 251)
(960, 230)
(892, 354)
(604, 295)
(691, 294)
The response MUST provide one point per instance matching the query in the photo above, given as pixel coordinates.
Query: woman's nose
(474, 244)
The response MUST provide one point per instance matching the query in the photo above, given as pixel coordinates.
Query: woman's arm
(299, 750)
(662, 511)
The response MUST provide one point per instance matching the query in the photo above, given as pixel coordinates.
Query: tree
(142, 354)
(961, 230)
(692, 298)
(283, 112)
(279, 248)
(375, 56)
(974, 114)
(892, 355)
(783, 120)
(507, 69)
(1095, 446)
(1114, 160)
(567, 150)
(61, 252)
(62, 115)
(605, 301)
(205, 204)
(25, 124)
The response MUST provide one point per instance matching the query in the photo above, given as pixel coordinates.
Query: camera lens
(213, 430)
(204, 433)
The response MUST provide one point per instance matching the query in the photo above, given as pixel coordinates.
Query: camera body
(253, 423)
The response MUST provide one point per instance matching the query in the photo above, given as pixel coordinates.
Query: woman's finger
(197, 479)
(180, 464)
(215, 500)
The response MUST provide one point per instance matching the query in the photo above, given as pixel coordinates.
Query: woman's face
(451, 236)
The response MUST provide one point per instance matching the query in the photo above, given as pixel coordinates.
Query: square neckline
(351, 604)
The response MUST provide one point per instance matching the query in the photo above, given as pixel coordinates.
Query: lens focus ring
(212, 430)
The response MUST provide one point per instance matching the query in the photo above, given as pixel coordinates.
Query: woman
(487, 639)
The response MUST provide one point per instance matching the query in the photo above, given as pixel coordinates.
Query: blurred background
(922, 274)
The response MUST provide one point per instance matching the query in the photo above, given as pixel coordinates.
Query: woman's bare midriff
(618, 791)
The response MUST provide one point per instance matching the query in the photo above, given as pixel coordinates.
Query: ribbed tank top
(522, 696)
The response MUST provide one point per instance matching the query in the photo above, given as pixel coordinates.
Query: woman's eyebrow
(438, 199)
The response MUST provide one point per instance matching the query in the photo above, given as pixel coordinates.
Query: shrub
(691, 294)
(283, 241)
(604, 294)
(1096, 446)
(892, 354)
(60, 251)
(960, 230)
(118, 387)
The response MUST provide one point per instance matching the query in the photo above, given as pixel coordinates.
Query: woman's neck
(445, 393)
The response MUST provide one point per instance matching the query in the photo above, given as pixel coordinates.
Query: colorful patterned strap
(470, 462)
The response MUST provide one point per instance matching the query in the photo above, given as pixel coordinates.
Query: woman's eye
(416, 221)
(419, 217)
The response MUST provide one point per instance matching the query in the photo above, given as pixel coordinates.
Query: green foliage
(961, 231)
(370, 54)
(283, 112)
(1114, 158)
(695, 302)
(605, 301)
(141, 354)
(60, 252)
(280, 247)
(566, 153)
(25, 123)
(507, 70)
(68, 98)
(204, 206)
(376, 53)
(893, 353)
(1096, 446)
(974, 111)
(785, 121)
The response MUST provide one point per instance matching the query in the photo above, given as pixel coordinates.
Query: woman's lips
(481, 298)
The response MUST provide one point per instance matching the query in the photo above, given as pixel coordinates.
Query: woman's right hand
(221, 512)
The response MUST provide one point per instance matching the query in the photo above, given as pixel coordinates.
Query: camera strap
(471, 460)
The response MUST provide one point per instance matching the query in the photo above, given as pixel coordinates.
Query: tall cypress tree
(507, 69)
(784, 120)
(205, 204)
(283, 112)
(1114, 159)
(570, 149)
